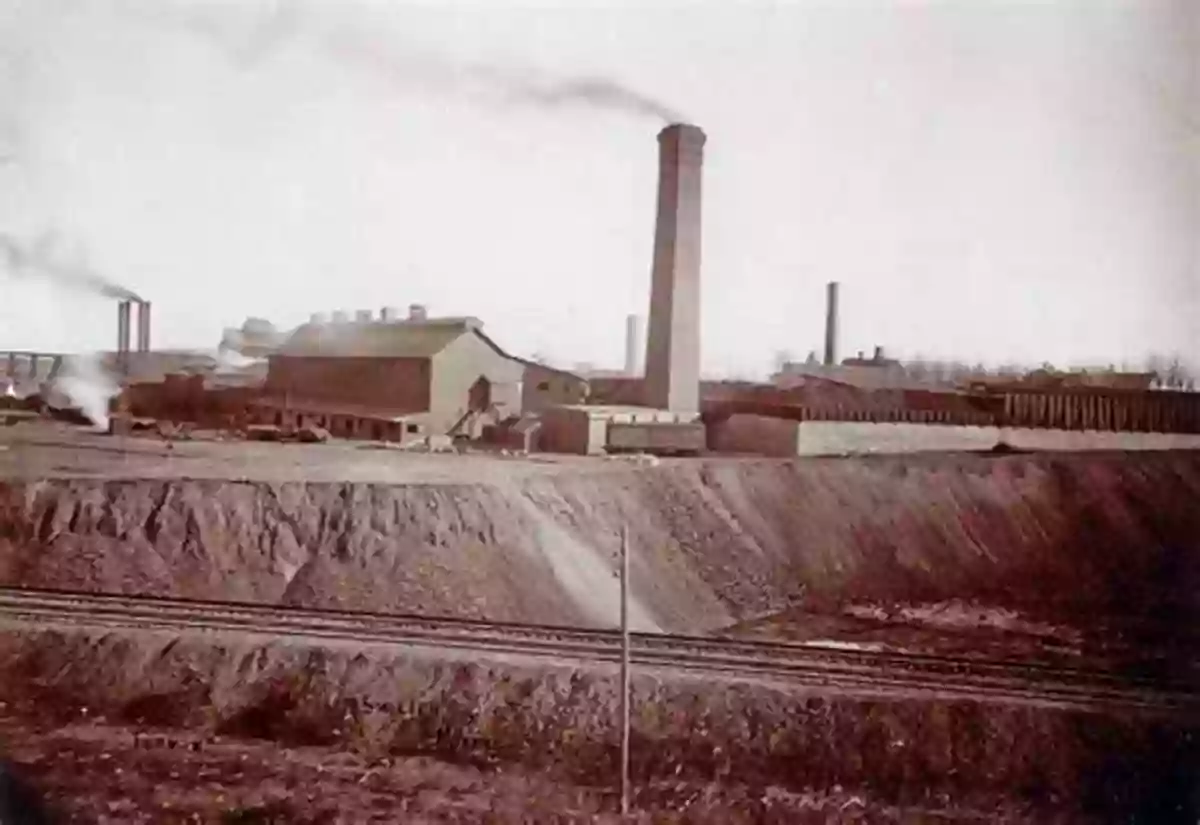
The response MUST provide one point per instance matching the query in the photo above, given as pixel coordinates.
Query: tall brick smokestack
(673, 343)
(635, 347)
(831, 323)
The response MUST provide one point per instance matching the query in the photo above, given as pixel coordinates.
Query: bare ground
(193, 725)
(40, 449)
(115, 774)
(1042, 555)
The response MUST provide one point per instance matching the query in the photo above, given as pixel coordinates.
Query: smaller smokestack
(122, 321)
(363, 316)
(389, 315)
(124, 317)
(317, 318)
(878, 353)
(340, 316)
(417, 312)
(831, 323)
(635, 345)
(143, 336)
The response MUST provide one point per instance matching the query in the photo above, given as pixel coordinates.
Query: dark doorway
(480, 397)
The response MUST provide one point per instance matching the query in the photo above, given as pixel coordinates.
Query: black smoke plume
(38, 260)
(352, 40)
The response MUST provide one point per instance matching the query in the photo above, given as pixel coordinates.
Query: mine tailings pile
(1080, 539)
(1075, 537)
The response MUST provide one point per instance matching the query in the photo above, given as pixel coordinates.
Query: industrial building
(387, 377)
(432, 376)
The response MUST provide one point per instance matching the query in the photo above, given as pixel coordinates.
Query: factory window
(412, 428)
(544, 386)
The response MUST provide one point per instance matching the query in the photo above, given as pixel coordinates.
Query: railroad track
(809, 664)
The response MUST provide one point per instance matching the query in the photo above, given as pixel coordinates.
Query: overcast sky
(990, 180)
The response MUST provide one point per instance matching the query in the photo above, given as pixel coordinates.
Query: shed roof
(378, 339)
(525, 361)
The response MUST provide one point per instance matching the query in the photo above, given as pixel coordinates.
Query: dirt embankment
(756, 741)
(1078, 537)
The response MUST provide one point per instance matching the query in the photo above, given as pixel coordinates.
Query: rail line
(809, 664)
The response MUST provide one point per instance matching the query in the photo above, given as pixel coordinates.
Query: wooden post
(624, 671)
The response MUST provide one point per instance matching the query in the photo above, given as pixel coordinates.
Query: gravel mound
(1077, 538)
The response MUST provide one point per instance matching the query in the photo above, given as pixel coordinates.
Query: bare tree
(917, 369)
(1169, 371)
(783, 357)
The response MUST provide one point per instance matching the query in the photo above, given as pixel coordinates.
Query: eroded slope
(1071, 537)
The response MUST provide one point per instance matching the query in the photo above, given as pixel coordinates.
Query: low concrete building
(543, 386)
(784, 438)
(573, 429)
(595, 430)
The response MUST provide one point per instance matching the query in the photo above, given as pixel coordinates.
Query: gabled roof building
(440, 375)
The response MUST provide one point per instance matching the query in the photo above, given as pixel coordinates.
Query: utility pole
(624, 671)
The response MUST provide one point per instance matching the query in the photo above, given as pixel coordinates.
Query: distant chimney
(363, 316)
(317, 318)
(122, 323)
(878, 353)
(143, 333)
(389, 314)
(635, 345)
(124, 319)
(831, 323)
(340, 316)
(417, 312)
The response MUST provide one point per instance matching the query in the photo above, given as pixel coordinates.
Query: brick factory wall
(185, 398)
(756, 434)
(1115, 410)
(394, 384)
(571, 430)
(616, 392)
(1076, 410)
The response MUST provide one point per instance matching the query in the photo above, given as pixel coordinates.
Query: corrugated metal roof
(376, 339)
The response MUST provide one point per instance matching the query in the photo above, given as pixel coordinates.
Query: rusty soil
(1067, 558)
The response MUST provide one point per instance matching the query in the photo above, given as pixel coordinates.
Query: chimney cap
(683, 133)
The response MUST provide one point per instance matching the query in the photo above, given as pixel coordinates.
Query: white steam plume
(88, 387)
(84, 381)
